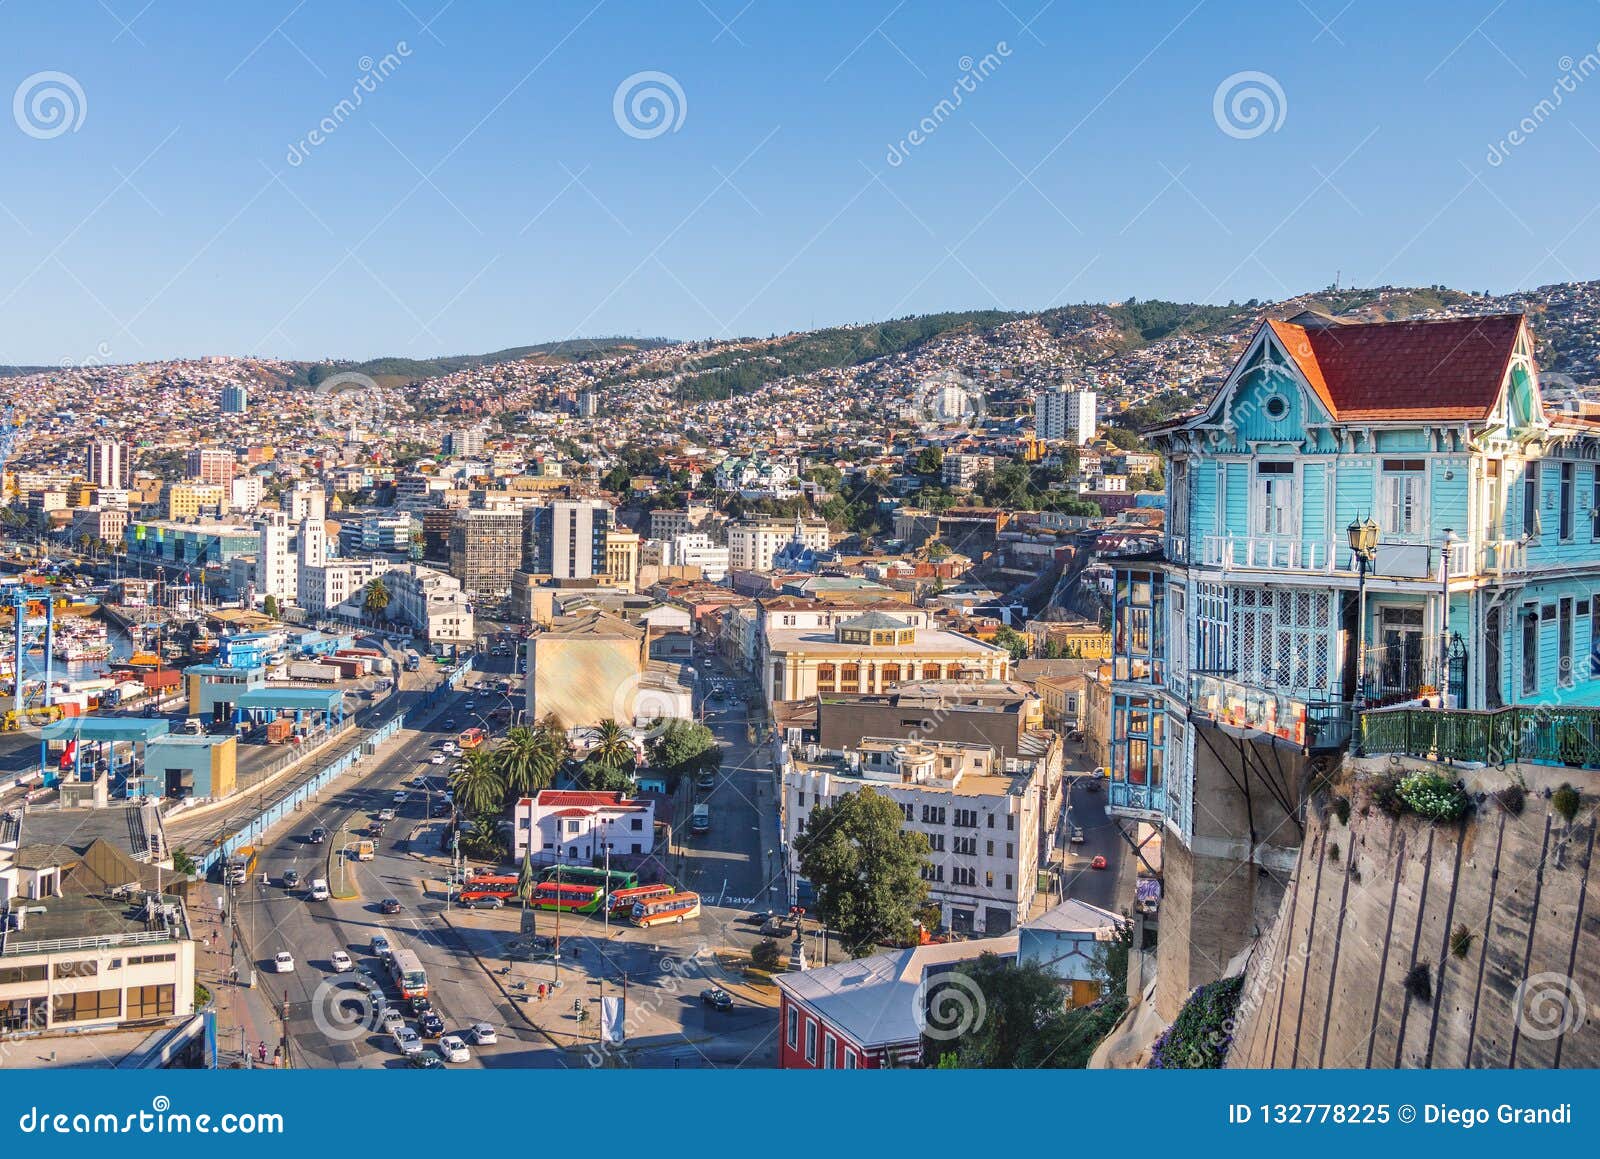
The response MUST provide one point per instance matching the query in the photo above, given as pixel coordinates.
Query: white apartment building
(575, 827)
(431, 602)
(753, 542)
(110, 464)
(668, 522)
(1064, 414)
(695, 549)
(979, 812)
(305, 501)
(245, 492)
(277, 565)
(959, 470)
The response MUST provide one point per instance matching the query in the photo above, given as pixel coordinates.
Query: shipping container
(313, 670)
(279, 730)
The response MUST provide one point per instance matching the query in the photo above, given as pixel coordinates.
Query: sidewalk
(243, 1018)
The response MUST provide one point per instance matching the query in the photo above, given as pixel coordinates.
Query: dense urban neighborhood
(1136, 670)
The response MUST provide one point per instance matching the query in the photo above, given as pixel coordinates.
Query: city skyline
(316, 186)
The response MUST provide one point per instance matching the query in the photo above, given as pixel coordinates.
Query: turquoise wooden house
(1476, 511)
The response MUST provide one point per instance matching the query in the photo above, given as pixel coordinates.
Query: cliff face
(1405, 943)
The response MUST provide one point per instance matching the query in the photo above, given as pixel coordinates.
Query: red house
(864, 1013)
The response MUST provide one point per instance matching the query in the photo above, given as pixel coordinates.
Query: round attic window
(1277, 406)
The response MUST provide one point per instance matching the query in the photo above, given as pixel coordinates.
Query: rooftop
(94, 921)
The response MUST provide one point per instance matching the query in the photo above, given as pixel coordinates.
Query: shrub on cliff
(1200, 1036)
(1432, 796)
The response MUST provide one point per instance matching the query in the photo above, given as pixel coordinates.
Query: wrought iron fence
(1539, 734)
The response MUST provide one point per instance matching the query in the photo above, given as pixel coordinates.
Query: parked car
(717, 998)
(484, 902)
(390, 905)
(283, 962)
(454, 1049)
(380, 946)
(706, 780)
(341, 963)
(408, 1040)
(483, 1034)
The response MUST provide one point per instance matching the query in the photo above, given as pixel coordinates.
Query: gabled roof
(1445, 369)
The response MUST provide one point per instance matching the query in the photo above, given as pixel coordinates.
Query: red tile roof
(1444, 369)
(581, 798)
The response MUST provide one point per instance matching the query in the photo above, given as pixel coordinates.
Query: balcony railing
(1534, 734)
(1148, 799)
(1271, 553)
(1501, 557)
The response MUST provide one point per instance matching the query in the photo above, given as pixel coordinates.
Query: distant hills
(399, 371)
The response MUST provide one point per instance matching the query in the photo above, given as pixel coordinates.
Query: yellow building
(188, 500)
(870, 653)
(622, 559)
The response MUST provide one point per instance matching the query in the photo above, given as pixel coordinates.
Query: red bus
(676, 907)
(622, 900)
(504, 888)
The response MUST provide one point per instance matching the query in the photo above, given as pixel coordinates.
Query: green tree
(478, 784)
(930, 461)
(527, 879)
(611, 746)
(998, 1007)
(183, 863)
(1121, 438)
(866, 868)
(270, 606)
(685, 747)
(376, 597)
(1012, 641)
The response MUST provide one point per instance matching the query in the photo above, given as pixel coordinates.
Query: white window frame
(1268, 509)
(1403, 498)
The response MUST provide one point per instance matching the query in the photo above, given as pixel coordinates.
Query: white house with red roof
(577, 827)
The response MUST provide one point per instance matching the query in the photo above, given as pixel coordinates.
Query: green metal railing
(1540, 734)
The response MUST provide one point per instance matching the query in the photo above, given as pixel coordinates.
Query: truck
(279, 730)
(239, 867)
(313, 670)
(413, 661)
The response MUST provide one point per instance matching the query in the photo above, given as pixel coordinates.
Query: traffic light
(577, 1005)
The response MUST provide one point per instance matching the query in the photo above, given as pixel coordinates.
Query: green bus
(583, 875)
(572, 898)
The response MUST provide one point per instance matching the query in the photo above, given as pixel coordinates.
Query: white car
(436, 759)
(393, 1020)
(386, 815)
(401, 797)
(283, 962)
(408, 1040)
(318, 891)
(341, 963)
(483, 1034)
(453, 1049)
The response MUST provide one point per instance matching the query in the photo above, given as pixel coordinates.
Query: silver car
(408, 1040)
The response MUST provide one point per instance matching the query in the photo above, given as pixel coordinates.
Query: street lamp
(1450, 541)
(1363, 537)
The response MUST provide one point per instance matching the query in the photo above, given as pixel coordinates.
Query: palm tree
(527, 759)
(611, 745)
(477, 784)
(376, 598)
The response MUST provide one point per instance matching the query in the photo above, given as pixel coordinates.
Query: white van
(318, 890)
(701, 821)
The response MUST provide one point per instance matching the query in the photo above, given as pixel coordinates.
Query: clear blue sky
(483, 195)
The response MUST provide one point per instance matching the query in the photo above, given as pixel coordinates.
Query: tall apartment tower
(1064, 414)
(235, 400)
(485, 549)
(567, 539)
(110, 464)
(211, 465)
(277, 568)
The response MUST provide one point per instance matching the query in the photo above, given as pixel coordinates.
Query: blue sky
(483, 193)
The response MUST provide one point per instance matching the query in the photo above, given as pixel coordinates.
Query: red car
(1098, 863)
